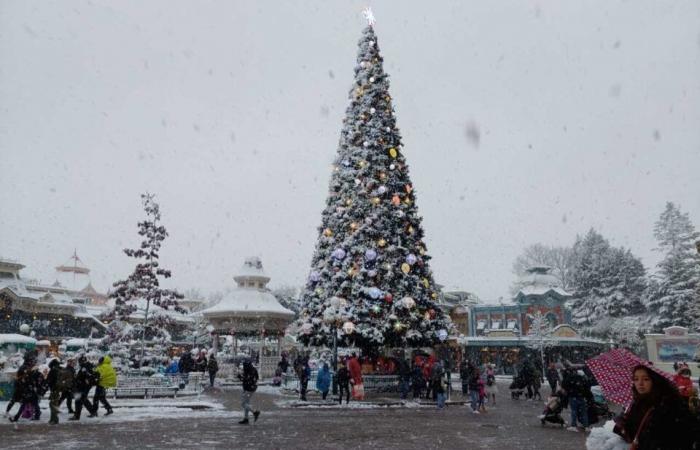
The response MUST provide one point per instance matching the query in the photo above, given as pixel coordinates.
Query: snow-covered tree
(289, 297)
(675, 296)
(370, 250)
(143, 284)
(558, 258)
(607, 281)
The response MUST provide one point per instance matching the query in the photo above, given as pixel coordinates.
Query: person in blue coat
(173, 368)
(323, 380)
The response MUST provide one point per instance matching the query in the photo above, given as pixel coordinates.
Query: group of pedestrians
(64, 383)
(479, 385)
(195, 361)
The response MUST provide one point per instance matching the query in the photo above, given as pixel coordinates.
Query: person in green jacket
(107, 379)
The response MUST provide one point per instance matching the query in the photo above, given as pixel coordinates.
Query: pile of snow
(603, 438)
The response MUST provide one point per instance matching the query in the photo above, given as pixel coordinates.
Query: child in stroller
(553, 408)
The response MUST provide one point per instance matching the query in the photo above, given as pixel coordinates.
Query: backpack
(64, 380)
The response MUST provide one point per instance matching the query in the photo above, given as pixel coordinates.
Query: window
(512, 324)
(480, 325)
(495, 324)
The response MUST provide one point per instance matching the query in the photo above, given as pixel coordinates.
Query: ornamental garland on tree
(143, 284)
(370, 281)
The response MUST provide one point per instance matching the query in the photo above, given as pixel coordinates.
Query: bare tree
(558, 258)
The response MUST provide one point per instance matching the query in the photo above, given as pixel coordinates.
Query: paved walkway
(511, 425)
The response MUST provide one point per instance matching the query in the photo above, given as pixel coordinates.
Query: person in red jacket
(683, 381)
(356, 377)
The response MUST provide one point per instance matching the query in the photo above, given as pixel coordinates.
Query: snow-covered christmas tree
(674, 297)
(370, 267)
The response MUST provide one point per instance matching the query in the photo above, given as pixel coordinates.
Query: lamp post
(333, 316)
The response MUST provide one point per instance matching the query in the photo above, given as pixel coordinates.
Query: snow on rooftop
(248, 301)
(12, 338)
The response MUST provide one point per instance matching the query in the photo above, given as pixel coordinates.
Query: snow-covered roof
(154, 309)
(12, 338)
(541, 290)
(44, 343)
(248, 302)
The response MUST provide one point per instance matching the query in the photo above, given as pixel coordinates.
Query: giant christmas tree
(370, 281)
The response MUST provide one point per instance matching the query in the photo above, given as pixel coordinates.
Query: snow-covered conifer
(675, 298)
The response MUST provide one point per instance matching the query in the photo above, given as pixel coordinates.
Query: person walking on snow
(343, 383)
(212, 367)
(474, 379)
(250, 385)
(68, 376)
(323, 380)
(356, 377)
(304, 375)
(84, 381)
(52, 381)
(30, 385)
(107, 379)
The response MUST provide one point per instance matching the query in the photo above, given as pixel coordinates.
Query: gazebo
(250, 310)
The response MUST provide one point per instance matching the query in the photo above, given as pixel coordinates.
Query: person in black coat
(250, 385)
(343, 380)
(67, 394)
(52, 383)
(84, 381)
(552, 376)
(29, 385)
(658, 418)
(404, 377)
(212, 367)
(578, 391)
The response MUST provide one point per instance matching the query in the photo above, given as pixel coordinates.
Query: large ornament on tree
(338, 253)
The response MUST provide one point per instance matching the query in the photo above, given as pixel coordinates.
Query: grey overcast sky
(523, 122)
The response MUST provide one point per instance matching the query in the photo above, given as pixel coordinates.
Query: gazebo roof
(247, 302)
(251, 301)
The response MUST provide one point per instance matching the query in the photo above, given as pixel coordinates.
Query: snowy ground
(129, 410)
(285, 423)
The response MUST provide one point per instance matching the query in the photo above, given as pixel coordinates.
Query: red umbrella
(613, 370)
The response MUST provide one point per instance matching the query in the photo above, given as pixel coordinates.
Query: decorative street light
(334, 315)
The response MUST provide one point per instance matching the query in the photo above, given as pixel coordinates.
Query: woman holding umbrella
(658, 418)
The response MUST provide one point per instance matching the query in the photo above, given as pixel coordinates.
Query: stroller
(553, 409)
(517, 388)
(598, 406)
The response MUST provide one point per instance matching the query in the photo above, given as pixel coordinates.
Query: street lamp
(333, 315)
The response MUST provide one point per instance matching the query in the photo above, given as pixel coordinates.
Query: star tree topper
(369, 15)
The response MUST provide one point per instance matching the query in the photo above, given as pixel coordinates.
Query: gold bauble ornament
(407, 201)
(348, 202)
(381, 242)
(433, 295)
(393, 153)
(405, 268)
(382, 176)
(328, 232)
(426, 283)
(354, 226)
(376, 201)
(410, 229)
